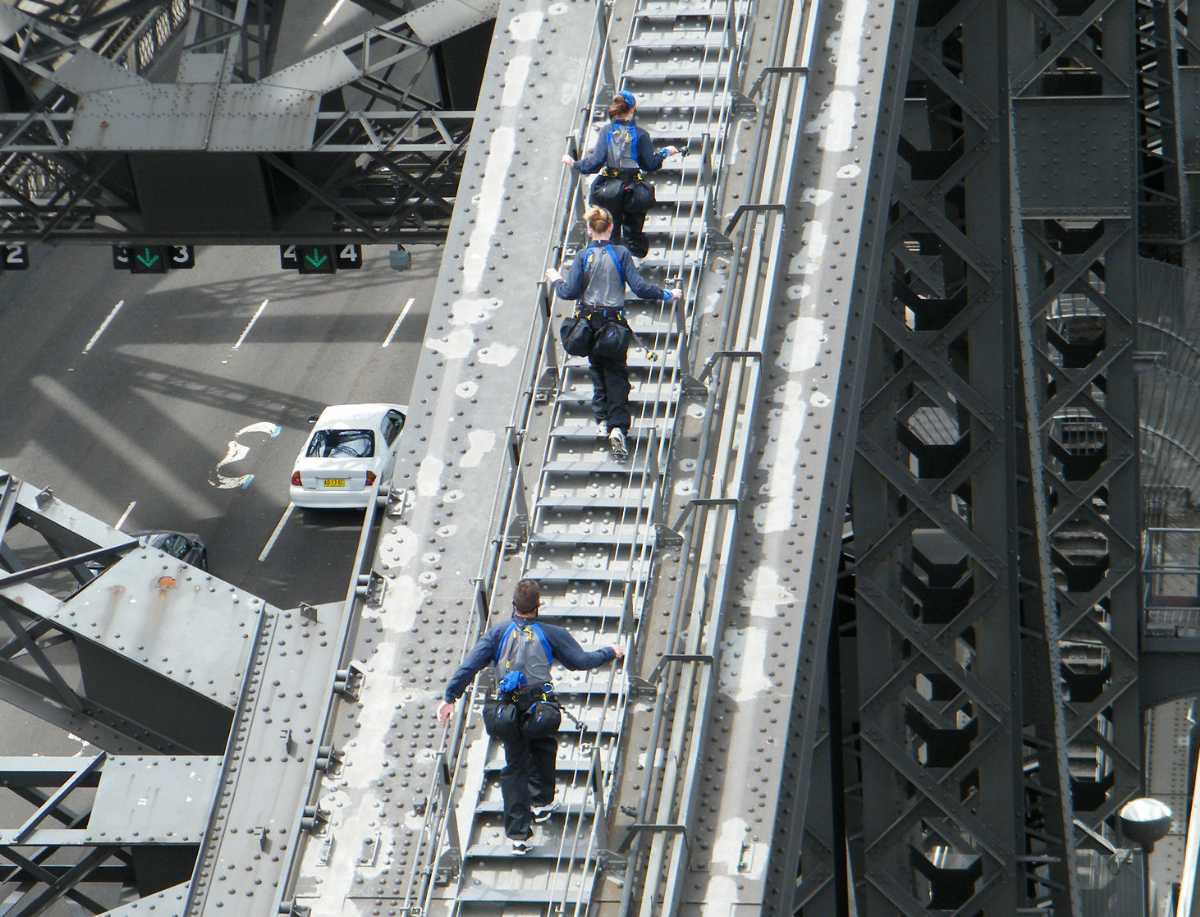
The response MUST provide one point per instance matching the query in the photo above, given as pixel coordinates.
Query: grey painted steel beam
(937, 499)
(1075, 239)
(168, 901)
(274, 746)
(479, 327)
(146, 606)
(279, 112)
(786, 554)
(59, 57)
(97, 170)
(114, 660)
(59, 796)
(139, 800)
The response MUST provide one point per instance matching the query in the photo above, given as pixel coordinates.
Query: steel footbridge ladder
(587, 531)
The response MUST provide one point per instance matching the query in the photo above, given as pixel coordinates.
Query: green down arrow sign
(147, 259)
(317, 260)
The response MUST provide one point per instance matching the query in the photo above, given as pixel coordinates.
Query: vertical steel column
(963, 782)
(1075, 239)
(1164, 207)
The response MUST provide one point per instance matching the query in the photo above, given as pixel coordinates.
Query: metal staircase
(591, 523)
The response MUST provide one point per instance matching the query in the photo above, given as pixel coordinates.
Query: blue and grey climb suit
(531, 647)
(597, 278)
(624, 156)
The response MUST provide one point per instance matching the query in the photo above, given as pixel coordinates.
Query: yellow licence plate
(335, 482)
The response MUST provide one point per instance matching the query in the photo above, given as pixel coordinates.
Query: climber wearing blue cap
(624, 157)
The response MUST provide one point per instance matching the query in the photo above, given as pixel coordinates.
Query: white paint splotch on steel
(449, 463)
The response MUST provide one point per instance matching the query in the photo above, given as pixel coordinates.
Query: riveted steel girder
(995, 524)
(335, 147)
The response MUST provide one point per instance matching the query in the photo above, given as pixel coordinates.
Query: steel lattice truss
(336, 146)
(994, 524)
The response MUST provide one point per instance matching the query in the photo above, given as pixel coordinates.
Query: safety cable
(701, 197)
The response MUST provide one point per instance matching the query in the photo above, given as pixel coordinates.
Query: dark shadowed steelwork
(339, 146)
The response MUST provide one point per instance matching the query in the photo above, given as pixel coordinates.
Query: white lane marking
(333, 12)
(253, 319)
(396, 326)
(275, 534)
(125, 515)
(160, 475)
(236, 451)
(103, 326)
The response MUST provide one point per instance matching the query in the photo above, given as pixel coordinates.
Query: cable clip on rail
(698, 385)
(670, 536)
(348, 681)
(616, 860)
(757, 85)
(649, 684)
(755, 209)
(398, 500)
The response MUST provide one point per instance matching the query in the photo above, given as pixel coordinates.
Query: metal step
(675, 262)
(485, 896)
(709, 40)
(624, 534)
(683, 100)
(619, 574)
(627, 501)
(637, 394)
(540, 852)
(677, 131)
(559, 612)
(668, 11)
(593, 466)
(589, 430)
(568, 766)
(566, 810)
(636, 359)
(658, 72)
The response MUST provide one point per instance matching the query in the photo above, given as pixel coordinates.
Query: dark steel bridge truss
(352, 152)
(987, 720)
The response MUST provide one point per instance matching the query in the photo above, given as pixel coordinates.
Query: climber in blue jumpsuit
(526, 646)
(597, 279)
(624, 156)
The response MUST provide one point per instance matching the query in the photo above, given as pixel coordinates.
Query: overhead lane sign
(320, 259)
(153, 259)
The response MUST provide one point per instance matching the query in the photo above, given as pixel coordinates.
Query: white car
(350, 448)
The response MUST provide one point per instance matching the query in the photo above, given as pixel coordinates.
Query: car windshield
(341, 444)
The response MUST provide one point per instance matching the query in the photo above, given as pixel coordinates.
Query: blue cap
(628, 97)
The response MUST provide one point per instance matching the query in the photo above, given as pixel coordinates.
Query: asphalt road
(142, 404)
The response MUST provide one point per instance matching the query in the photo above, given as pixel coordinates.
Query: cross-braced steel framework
(339, 146)
(1164, 201)
(1075, 248)
(995, 522)
(145, 734)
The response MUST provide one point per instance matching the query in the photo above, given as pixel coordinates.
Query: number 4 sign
(349, 257)
(320, 259)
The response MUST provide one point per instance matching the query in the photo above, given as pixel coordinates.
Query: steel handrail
(355, 599)
(699, 207)
(687, 571)
(440, 809)
(536, 354)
